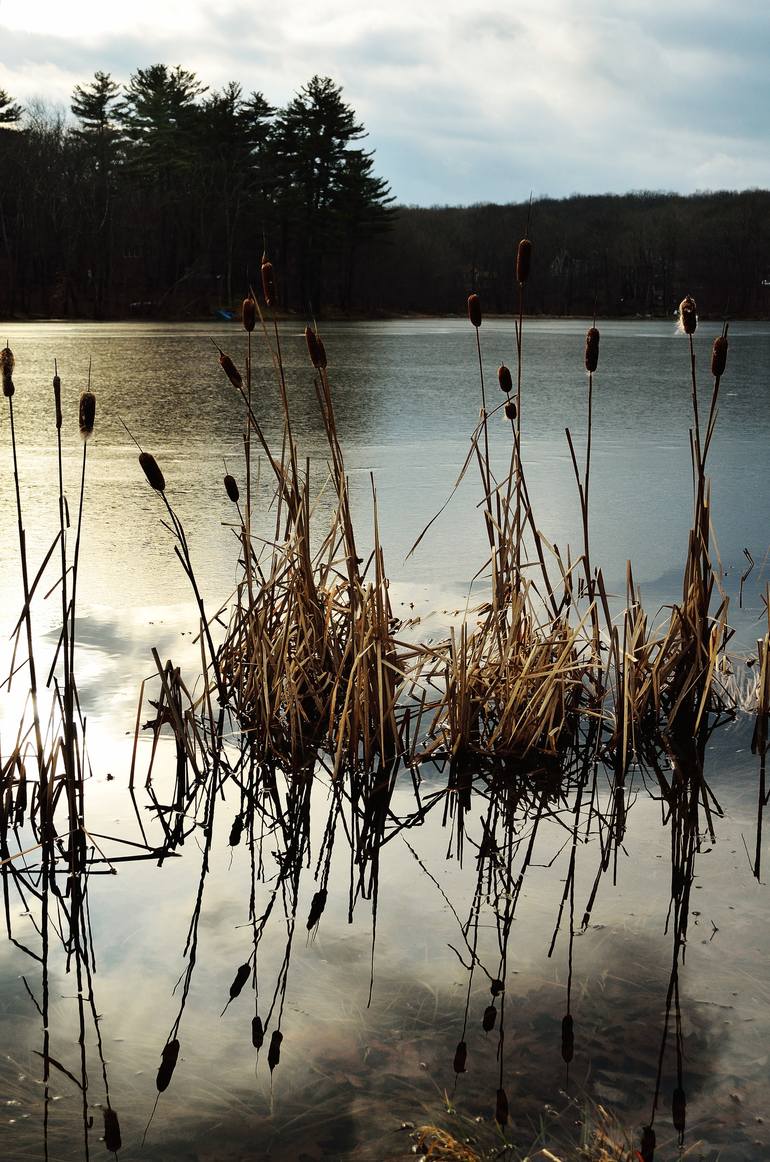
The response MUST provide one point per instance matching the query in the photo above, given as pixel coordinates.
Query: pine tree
(317, 170)
(10, 112)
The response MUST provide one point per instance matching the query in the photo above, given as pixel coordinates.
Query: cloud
(461, 105)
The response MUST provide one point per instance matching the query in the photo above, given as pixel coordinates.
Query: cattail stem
(41, 765)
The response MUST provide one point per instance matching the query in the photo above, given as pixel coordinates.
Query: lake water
(356, 1072)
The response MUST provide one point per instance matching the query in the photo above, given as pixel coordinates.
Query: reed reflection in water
(311, 845)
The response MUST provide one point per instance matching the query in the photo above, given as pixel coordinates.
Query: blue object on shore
(229, 315)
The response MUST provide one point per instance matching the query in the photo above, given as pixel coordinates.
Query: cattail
(474, 310)
(112, 1139)
(257, 1033)
(592, 349)
(57, 400)
(504, 378)
(679, 1109)
(241, 976)
(268, 281)
(719, 356)
(510, 409)
(523, 261)
(688, 315)
(87, 414)
(317, 905)
(501, 1108)
(237, 828)
(274, 1052)
(168, 1060)
(489, 1018)
(461, 1056)
(151, 470)
(249, 313)
(647, 1149)
(496, 988)
(231, 488)
(567, 1038)
(315, 348)
(7, 363)
(231, 371)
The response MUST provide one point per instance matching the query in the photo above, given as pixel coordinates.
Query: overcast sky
(544, 96)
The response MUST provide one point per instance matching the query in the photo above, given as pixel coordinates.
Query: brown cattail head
(231, 488)
(510, 410)
(647, 1150)
(719, 356)
(112, 1138)
(474, 310)
(592, 349)
(231, 371)
(523, 261)
(501, 1108)
(274, 1050)
(315, 348)
(567, 1038)
(239, 980)
(268, 281)
(151, 470)
(679, 1110)
(257, 1033)
(57, 400)
(249, 313)
(87, 413)
(461, 1057)
(7, 362)
(489, 1018)
(504, 378)
(168, 1059)
(688, 315)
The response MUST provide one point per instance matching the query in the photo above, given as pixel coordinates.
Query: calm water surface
(353, 1072)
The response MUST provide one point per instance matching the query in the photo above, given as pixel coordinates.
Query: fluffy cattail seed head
(249, 313)
(231, 371)
(87, 413)
(7, 362)
(523, 261)
(510, 410)
(504, 378)
(688, 315)
(231, 488)
(151, 470)
(57, 400)
(592, 349)
(474, 310)
(315, 348)
(719, 356)
(268, 281)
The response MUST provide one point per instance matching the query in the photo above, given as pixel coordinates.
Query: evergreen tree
(316, 170)
(161, 118)
(98, 107)
(10, 112)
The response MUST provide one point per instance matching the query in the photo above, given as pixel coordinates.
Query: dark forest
(159, 197)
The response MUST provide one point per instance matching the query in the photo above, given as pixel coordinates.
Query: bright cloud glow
(462, 105)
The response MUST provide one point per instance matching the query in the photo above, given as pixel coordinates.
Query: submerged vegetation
(539, 709)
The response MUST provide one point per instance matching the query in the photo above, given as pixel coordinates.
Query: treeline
(160, 196)
(635, 254)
